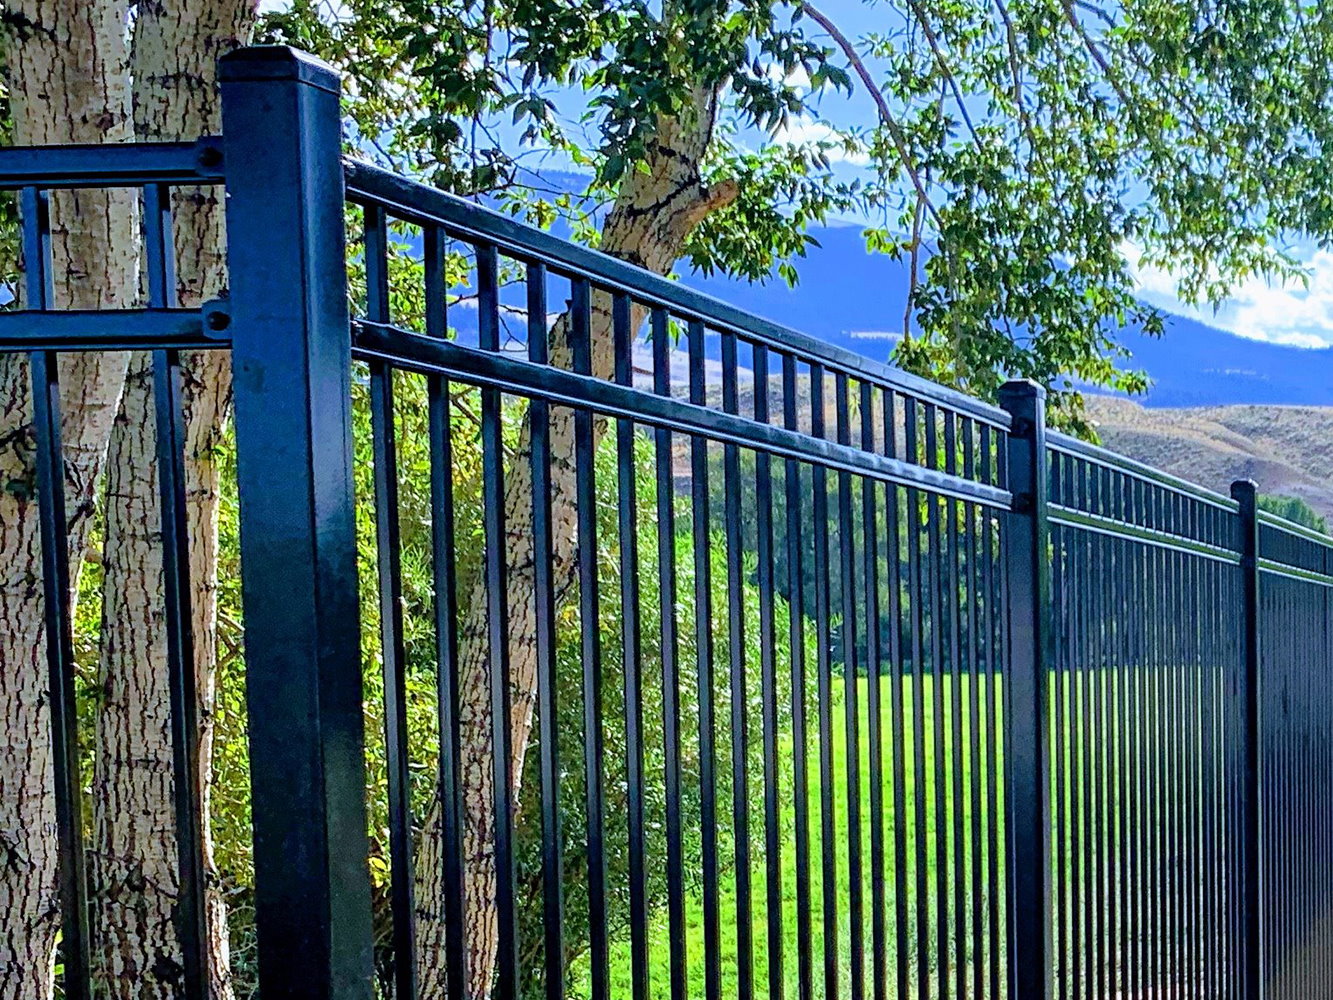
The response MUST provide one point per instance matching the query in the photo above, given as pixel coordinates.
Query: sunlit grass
(921, 886)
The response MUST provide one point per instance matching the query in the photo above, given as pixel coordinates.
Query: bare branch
(890, 123)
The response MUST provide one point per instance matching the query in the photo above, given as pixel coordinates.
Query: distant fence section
(757, 668)
(1148, 731)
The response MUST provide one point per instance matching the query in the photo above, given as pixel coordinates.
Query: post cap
(1022, 388)
(278, 62)
(1242, 489)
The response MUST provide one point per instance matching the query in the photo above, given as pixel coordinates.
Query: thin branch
(1114, 81)
(1097, 12)
(913, 270)
(476, 117)
(1011, 40)
(934, 43)
(466, 410)
(1098, 57)
(885, 112)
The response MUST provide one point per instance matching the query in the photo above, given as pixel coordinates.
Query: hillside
(855, 300)
(1287, 450)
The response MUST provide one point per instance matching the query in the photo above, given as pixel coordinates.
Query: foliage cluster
(1294, 509)
(1024, 157)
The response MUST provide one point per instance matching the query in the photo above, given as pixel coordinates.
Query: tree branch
(1113, 80)
(913, 270)
(1011, 40)
(1096, 53)
(933, 40)
(890, 123)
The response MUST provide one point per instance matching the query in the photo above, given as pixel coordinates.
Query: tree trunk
(67, 64)
(135, 869)
(654, 214)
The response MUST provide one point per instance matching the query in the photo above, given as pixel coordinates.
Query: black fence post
(291, 367)
(1245, 493)
(1027, 751)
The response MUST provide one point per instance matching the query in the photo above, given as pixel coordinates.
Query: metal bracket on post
(291, 363)
(1027, 752)
(1246, 495)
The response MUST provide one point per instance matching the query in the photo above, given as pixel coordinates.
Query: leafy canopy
(1013, 151)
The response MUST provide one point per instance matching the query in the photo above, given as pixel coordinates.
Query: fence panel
(44, 340)
(1296, 799)
(789, 630)
(1146, 731)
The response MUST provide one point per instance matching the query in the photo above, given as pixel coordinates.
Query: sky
(1297, 314)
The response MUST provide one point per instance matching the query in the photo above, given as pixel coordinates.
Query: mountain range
(856, 300)
(1220, 407)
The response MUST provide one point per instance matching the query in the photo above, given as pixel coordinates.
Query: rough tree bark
(67, 62)
(653, 216)
(133, 861)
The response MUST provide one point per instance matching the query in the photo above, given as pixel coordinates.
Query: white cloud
(802, 129)
(1294, 314)
(798, 79)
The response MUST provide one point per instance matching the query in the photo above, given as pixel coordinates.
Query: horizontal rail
(382, 341)
(108, 330)
(419, 203)
(1295, 573)
(129, 164)
(1070, 517)
(1292, 528)
(1066, 445)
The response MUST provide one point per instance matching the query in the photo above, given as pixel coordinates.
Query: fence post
(1027, 753)
(1245, 493)
(291, 367)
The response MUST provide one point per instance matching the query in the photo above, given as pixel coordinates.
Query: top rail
(419, 203)
(1066, 445)
(130, 164)
(1298, 531)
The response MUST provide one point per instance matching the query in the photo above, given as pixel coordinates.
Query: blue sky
(1297, 314)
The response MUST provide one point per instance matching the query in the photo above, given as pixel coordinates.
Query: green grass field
(920, 753)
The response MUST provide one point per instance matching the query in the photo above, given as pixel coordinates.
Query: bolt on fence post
(291, 363)
(1245, 493)
(1026, 565)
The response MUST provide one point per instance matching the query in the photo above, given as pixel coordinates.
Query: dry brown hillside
(1287, 450)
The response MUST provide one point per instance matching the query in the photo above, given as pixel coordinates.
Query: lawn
(928, 754)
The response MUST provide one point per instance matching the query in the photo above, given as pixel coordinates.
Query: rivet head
(217, 320)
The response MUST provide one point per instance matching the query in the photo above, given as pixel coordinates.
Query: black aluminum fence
(1293, 749)
(825, 680)
(1147, 732)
